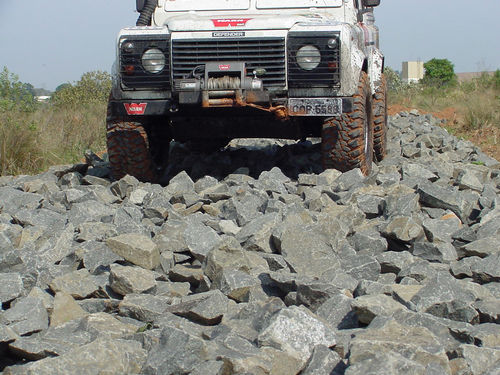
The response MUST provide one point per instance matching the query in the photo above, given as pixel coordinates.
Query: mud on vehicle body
(210, 71)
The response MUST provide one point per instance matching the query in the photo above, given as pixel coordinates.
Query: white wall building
(413, 71)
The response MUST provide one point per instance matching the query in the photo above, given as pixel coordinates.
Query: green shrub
(15, 94)
(439, 72)
(93, 87)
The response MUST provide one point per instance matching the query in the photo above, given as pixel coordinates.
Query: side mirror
(371, 3)
(140, 5)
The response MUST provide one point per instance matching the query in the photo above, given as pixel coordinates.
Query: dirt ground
(486, 138)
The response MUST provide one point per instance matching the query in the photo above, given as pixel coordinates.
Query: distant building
(42, 98)
(413, 71)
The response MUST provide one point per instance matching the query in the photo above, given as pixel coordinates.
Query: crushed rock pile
(252, 260)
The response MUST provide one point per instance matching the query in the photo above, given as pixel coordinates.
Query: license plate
(315, 106)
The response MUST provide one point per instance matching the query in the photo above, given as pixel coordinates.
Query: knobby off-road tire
(380, 121)
(347, 141)
(129, 148)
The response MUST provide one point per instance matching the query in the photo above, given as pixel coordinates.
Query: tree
(93, 87)
(15, 94)
(439, 72)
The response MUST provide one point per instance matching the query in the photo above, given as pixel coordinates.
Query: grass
(30, 142)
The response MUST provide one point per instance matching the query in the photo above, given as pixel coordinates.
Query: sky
(50, 42)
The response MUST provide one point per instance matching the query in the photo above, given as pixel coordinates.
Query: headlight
(308, 57)
(153, 60)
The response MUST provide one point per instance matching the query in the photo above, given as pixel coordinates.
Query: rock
(433, 195)
(480, 360)
(128, 280)
(306, 252)
(101, 356)
(482, 247)
(144, 307)
(487, 270)
(12, 286)
(443, 296)
(176, 353)
(229, 254)
(79, 284)
(65, 309)
(489, 310)
(435, 252)
(370, 306)
(103, 324)
(394, 261)
(137, 249)
(200, 239)
(387, 363)
(416, 344)
(235, 284)
(338, 312)
(256, 235)
(281, 333)
(361, 267)
(190, 274)
(204, 308)
(369, 242)
(323, 361)
(441, 230)
(27, 315)
(403, 229)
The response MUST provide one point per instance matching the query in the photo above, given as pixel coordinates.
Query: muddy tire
(347, 141)
(129, 149)
(379, 109)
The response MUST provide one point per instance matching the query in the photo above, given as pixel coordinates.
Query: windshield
(267, 4)
(185, 5)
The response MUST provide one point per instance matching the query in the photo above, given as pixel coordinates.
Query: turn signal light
(129, 70)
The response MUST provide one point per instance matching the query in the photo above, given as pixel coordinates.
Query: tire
(347, 141)
(129, 149)
(379, 109)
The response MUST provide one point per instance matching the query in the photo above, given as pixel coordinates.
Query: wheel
(129, 148)
(379, 109)
(347, 141)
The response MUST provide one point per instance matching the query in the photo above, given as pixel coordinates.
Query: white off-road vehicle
(212, 70)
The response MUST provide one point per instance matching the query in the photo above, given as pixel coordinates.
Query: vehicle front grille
(266, 53)
(140, 78)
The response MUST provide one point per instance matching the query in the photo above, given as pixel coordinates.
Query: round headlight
(128, 47)
(308, 57)
(153, 60)
(332, 43)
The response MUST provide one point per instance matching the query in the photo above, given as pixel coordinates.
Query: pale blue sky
(50, 42)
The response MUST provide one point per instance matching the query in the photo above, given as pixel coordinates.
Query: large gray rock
(443, 296)
(387, 363)
(403, 229)
(27, 315)
(296, 331)
(205, 308)
(235, 284)
(370, 306)
(436, 196)
(98, 357)
(144, 307)
(127, 280)
(176, 353)
(416, 344)
(306, 252)
(12, 286)
(79, 284)
(200, 239)
(256, 235)
(137, 249)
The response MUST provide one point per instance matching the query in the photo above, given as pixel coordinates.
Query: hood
(194, 22)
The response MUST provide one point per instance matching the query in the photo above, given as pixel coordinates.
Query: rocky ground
(255, 261)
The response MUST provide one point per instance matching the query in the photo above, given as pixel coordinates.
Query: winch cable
(147, 13)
